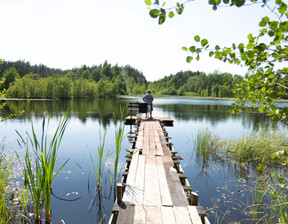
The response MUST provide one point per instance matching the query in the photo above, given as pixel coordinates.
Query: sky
(68, 33)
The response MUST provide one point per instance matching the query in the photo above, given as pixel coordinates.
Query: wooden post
(119, 192)
(194, 197)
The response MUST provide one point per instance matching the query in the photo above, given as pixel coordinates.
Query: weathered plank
(164, 189)
(182, 215)
(139, 215)
(130, 183)
(194, 215)
(175, 187)
(151, 189)
(138, 198)
(168, 216)
(126, 215)
(153, 215)
(146, 139)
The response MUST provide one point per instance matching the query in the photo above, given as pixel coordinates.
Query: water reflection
(217, 180)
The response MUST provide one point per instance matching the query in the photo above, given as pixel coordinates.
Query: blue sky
(66, 34)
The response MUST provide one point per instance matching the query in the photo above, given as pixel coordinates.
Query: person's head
(148, 91)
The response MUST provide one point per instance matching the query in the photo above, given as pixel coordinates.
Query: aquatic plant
(5, 209)
(270, 197)
(39, 172)
(205, 143)
(119, 138)
(257, 146)
(101, 159)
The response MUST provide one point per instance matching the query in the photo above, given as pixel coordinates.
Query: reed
(39, 173)
(5, 209)
(119, 138)
(257, 147)
(205, 143)
(101, 159)
(270, 199)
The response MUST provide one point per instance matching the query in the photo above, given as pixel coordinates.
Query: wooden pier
(154, 188)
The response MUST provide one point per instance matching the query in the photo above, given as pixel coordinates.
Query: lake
(223, 187)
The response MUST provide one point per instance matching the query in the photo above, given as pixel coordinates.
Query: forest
(20, 79)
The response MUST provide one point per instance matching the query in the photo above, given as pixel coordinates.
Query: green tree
(9, 77)
(265, 82)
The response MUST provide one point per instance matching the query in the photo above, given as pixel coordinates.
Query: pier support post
(194, 198)
(119, 192)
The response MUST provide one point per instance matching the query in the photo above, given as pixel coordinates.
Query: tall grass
(101, 159)
(256, 147)
(205, 143)
(270, 198)
(265, 147)
(5, 209)
(39, 172)
(119, 138)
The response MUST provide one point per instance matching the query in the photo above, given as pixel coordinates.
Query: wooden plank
(130, 183)
(139, 215)
(146, 139)
(168, 216)
(153, 215)
(195, 217)
(182, 215)
(152, 139)
(151, 189)
(164, 189)
(126, 215)
(159, 149)
(140, 182)
(175, 187)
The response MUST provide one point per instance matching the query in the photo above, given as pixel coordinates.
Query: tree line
(22, 80)
(188, 83)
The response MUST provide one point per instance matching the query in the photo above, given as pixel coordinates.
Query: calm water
(222, 187)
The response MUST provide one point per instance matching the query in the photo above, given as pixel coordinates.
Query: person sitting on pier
(148, 98)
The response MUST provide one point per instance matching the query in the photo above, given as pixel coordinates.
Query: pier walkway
(154, 188)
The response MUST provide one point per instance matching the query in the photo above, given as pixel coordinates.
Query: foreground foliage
(260, 149)
(264, 55)
(38, 171)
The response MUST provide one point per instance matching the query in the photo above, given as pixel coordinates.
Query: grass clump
(257, 147)
(5, 208)
(39, 171)
(119, 138)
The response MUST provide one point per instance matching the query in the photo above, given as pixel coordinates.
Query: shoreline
(135, 96)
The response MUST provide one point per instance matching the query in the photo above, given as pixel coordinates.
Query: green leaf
(282, 9)
(251, 54)
(217, 47)
(184, 48)
(271, 76)
(198, 57)
(148, 2)
(250, 46)
(171, 14)
(250, 37)
(211, 53)
(156, 2)
(162, 19)
(197, 38)
(192, 49)
(204, 42)
(154, 13)
(241, 46)
(189, 59)
(244, 57)
(264, 21)
(228, 51)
